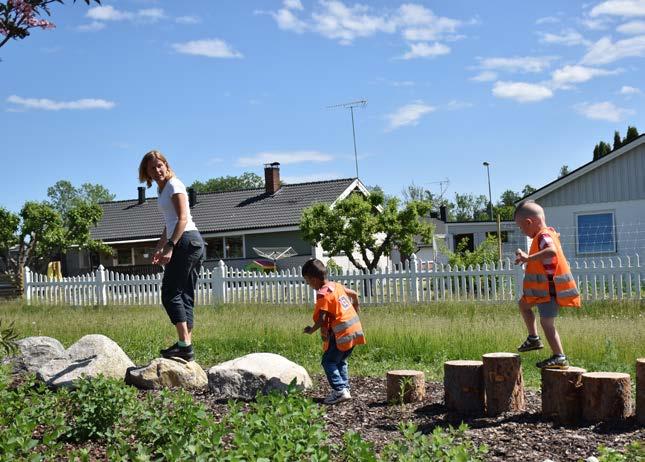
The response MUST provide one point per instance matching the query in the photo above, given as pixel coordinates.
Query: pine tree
(596, 152)
(631, 135)
(617, 141)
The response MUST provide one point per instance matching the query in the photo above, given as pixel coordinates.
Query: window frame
(612, 213)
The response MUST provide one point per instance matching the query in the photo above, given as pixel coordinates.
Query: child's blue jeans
(334, 362)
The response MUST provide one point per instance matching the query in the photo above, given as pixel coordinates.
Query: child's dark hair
(314, 268)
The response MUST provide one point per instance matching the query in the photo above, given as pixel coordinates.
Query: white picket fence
(598, 279)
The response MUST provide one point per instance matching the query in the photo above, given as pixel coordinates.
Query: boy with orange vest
(548, 282)
(336, 315)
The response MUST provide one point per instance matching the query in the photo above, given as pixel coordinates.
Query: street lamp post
(490, 197)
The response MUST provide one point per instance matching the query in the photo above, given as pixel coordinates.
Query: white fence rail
(598, 279)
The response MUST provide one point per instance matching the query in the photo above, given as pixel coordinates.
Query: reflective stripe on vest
(349, 338)
(573, 292)
(344, 325)
(563, 278)
(536, 293)
(530, 277)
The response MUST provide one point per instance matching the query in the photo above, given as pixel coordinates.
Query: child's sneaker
(554, 362)
(338, 396)
(177, 351)
(530, 344)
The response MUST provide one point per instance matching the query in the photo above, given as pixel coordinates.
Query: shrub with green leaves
(635, 452)
(8, 337)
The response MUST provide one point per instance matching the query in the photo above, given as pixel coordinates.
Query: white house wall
(629, 220)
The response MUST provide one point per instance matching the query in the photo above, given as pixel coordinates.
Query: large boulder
(162, 372)
(244, 377)
(33, 352)
(91, 356)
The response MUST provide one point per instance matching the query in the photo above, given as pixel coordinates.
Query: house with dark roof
(232, 224)
(599, 208)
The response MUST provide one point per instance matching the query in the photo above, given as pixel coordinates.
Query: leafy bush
(8, 337)
(635, 452)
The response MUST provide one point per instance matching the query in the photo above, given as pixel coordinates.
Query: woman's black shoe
(177, 351)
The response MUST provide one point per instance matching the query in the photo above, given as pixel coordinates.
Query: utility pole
(490, 198)
(351, 105)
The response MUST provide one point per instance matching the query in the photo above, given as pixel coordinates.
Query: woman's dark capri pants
(180, 278)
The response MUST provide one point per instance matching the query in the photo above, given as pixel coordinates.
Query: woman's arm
(179, 203)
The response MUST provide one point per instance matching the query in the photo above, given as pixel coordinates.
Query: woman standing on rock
(180, 249)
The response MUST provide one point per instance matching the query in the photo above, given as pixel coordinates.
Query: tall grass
(600, 336)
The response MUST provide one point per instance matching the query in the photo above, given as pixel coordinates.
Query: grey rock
(245, 377)
(34, 352)
(591, 459)
(162, 373)
(91, 356)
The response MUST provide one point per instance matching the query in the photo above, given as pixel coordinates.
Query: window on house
(234, 246)
(494, 234)
(215, 248)
(124, 257)
(464, 242)
(596, 233)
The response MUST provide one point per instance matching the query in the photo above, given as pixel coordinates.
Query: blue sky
(223, 86)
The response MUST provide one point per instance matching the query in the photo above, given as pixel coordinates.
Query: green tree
(63, 196)
(486, 252)
(632, 134)
(370, 226)
(18, 17)
(617, 141)
(247, 180)
(469, 207)
(564, 171)
(40, 231)
(417, 193)
(528, 189)
(509, 197)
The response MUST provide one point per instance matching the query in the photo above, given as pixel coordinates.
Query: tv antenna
(443, 186)
(351, 105)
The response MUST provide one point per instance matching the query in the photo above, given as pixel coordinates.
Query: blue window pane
(596, 233)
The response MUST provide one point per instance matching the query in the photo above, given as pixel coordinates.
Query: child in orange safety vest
(548, 282)
(336, 315)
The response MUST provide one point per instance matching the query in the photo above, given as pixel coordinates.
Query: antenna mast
(351, 105)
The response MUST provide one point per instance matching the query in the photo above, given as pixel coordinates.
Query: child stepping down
(548, 283)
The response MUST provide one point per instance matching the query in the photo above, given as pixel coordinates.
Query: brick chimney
(272, 177)
(443, 213)
(142, 194)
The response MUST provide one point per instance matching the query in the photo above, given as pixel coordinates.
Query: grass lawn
(605, 336)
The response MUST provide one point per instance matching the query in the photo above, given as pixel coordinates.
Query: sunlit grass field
(599, 337)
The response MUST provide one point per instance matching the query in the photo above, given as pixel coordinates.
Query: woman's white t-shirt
(164, 202)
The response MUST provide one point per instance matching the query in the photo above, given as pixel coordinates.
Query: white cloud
(91, 27)
(628, 91)
(632, 28)
(485, 76)
(285, 158)
(108, 13)
(455, 105)
(322, 176)
(423, 50)
(547, 20)
(578, 74)
(340, 22)
(151, 14)
(517, 64)
(286, 20)
(521, 92)
(603, 111)
(568, 38)
(625, 8)
(211, 48)
(293, 4)
(604, 51)
(410, 114)
(188, 20)
(51, 105)
(595, 24)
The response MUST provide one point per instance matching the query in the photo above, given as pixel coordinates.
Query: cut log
(562, 394)
(503, 383)
(606, 396)
(463, 386)
(640, 390)
(405, 386)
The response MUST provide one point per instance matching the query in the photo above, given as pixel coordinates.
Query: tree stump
(562, 394)
(503, 383)
(463, 385)
(606, 396)
(405, 386)
(640, 390)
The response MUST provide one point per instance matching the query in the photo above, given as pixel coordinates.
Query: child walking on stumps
(548, 282)
(336, 315)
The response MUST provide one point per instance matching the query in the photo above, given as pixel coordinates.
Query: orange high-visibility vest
(536, 281)
(342, 320)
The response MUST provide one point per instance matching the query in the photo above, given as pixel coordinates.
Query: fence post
(519, 280)
(101, 290)
(26, 283)
(638, 277)
(218, 283)
(414, 269)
